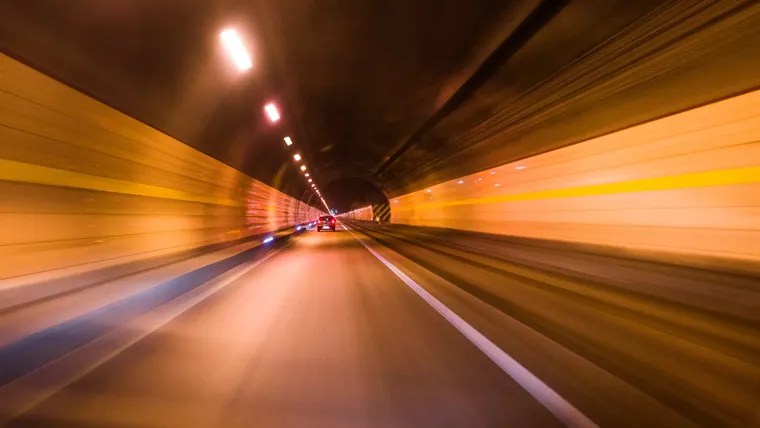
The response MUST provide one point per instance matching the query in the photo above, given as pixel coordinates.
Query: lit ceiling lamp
(297, 157)
(235, 48)
(310, 180)
(272, 112)
(306, 175)
(303, 167)
(288, 141)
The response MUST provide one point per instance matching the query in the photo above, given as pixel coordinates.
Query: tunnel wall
(82, 183)
(363, 214)
(685, 184)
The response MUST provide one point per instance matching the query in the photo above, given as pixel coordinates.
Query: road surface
(321, 334)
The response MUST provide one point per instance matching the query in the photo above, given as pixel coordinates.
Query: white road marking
(558, 406)
(21, 395)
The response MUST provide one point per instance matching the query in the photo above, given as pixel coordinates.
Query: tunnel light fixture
(497, 185)
(310, 180)
(288, 141)
(460, 182)
(297, 157)
(520, 167)
(493, 172)
(303, 167)
(268, 239)
(428, 190)
(306, 175)
(272, 112)
(235, 48)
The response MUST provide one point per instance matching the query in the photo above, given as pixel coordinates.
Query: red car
(326, 223)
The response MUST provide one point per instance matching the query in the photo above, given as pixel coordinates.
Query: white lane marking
(558, 406)
(23, 394)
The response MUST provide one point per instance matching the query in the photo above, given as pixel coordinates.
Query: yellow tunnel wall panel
(685, 184)
(361, 214)
(82, 183)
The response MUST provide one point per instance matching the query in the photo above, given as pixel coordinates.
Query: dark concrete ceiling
(385, 94)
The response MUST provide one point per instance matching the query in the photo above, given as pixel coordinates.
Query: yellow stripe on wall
(685, 181)
(36, 174)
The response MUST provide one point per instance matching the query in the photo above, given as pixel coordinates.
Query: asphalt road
(629, 342)
(322, 334)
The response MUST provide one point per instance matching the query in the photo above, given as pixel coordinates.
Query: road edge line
(553, 402)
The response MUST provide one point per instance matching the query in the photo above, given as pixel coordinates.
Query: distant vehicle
(326, 223)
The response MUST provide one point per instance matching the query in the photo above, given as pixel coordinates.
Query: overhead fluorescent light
(272, 112)
(235, 48)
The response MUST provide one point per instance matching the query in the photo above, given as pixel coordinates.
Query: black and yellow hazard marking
(381, 213)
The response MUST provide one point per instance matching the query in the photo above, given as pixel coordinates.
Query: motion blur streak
(563, 197)
(84, 184)
(685, 184)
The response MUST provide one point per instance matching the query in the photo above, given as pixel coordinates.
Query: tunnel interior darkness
(349, 193)
(386, 92)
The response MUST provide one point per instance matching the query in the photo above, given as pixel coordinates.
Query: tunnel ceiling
(394, 95)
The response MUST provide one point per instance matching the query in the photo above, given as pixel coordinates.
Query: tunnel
(366, 213)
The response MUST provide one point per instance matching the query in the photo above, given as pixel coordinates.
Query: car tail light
(332, 221)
